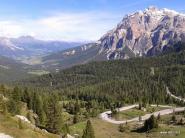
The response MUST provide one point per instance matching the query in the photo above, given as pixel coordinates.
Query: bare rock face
(144, 33)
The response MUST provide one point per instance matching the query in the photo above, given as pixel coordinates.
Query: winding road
(105, 115)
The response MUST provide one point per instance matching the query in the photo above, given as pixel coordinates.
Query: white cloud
(63, 26)
(10, 29)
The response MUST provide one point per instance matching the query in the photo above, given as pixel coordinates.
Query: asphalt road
(105, 115)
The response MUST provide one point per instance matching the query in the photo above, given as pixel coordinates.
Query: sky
(70, 20)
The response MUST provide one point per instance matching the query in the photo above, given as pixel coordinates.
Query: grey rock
(144, 33)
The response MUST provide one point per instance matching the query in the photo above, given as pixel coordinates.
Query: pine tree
(2, 89)
(159, 116)
(173, 118)
(13, 107)
(181, 122)
(39, 110)
(1, 102)
(54, 116)
(77, 108)
(140, 105)
(4, 107)
(16, 95)
(66, 129)
(121, 128)
(34, 102)
(89, 131)
(27, 98)
(75, 118)
(150, 123)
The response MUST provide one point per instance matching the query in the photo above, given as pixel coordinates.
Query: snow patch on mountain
(8, 44)
(69, 53)
(86, 47)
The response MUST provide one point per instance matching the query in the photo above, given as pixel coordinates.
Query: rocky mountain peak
(152, 8)
(27, 37)
(144, 33)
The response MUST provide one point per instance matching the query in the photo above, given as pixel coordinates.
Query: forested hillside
(136, 79)
(76, 94)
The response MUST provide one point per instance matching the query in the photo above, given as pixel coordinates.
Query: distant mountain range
(145, 33)
(27, 46)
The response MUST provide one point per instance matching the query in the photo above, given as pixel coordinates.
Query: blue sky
(70, 20)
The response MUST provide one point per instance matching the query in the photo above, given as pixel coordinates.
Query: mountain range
(144, 33)
(27, 46)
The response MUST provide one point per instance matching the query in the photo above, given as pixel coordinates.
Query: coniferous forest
(84, 91)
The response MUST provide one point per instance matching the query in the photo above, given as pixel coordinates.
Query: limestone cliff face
(144, 33)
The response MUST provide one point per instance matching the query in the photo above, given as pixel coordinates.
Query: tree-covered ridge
(99, 71)
(129, 80)
(90, 89)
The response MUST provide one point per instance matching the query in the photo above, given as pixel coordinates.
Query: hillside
(85, 91)
(72, 96)
(108, 76)
(25, 47)
(13, 118)
(11, 70)
(70, 57)
(9, 125)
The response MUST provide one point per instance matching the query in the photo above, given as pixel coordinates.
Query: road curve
(105, 115)
(173, 96)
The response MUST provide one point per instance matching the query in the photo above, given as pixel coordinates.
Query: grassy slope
(132, 113)
(129, 114)
(107, 130)
(9, 125)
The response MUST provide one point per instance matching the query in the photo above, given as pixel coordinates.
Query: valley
(25, 47)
